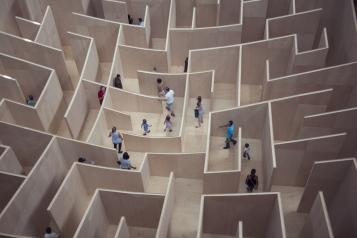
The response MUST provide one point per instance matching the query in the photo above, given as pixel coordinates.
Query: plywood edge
(167, 208)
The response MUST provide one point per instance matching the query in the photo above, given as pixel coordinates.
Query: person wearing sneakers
(229, 134)
(169, 98)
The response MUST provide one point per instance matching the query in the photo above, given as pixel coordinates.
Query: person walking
(229, 134)
(168, 124)
(246, 151)
(145, 125)
(101, 94)
(117, 139)
(251, 181)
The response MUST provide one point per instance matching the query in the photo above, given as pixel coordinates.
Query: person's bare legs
(200, 121)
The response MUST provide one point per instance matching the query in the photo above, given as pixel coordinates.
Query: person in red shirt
(101, 94)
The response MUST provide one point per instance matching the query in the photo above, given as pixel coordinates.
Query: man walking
(229, 134)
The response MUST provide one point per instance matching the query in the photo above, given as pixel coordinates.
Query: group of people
(117, 140)
(101, 92)
(168, 95)
(252, 179)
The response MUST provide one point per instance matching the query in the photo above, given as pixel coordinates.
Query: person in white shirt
(169, 98)
(246, 151)
(50, 234)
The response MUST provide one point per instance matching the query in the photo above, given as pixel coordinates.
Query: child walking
(145, 125)
(168, 123)
(246, 151)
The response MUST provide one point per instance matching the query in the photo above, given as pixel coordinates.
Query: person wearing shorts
(169, 98)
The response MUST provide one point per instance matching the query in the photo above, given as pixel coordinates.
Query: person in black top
(251, 181)
(117, 82)
(186, 65)
(130, 19)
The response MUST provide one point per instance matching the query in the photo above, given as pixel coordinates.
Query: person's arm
(121, 137)
(110, 134)
(162, 99)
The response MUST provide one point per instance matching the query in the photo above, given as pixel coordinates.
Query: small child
(160, 87)
(246, 151)
(168, 123)
(145, 126)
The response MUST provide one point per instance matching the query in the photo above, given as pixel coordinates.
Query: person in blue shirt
(124, 162)
(117, 139)
(145, 125)
(229, 134)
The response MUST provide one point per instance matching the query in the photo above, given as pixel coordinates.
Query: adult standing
(169, 98)
(117, 139)
(252, 181)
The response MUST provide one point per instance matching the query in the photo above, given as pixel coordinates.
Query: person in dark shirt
(117, 82)
(251, 181)
(186, 65)
(130, 19)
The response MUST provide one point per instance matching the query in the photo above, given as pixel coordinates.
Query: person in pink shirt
(101, 94)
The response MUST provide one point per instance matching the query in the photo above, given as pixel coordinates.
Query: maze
(283, 71)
